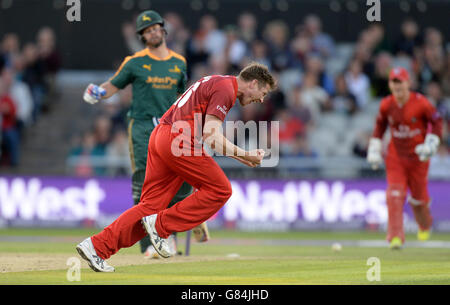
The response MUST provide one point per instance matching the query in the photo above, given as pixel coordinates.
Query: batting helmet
(147, 19)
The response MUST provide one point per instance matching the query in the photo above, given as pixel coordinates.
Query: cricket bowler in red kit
(175, 155)
(416, 128)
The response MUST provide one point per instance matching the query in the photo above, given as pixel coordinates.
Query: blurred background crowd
(27, 87)
(327, 98)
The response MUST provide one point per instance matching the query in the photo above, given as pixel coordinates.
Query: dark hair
(259, 72)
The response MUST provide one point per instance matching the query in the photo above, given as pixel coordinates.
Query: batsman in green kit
(158, 77)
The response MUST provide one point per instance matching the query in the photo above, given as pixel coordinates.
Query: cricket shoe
(423, 235)
(161, 245)
(151, 253)
(396, 243)
(87, 251)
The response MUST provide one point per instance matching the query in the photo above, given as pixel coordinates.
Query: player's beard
(155, 44)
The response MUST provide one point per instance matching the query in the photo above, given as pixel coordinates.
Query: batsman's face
(153, 35)
(255, 93)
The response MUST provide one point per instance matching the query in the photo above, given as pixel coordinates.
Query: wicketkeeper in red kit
(175, 154)
(416, 128)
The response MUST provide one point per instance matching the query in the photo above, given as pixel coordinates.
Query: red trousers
(165, 173)
(403, 174)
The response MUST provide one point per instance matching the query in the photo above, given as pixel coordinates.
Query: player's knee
(418, 202)
(395, 194)
(225, 191)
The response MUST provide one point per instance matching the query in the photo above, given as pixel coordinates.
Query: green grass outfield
(39, 256)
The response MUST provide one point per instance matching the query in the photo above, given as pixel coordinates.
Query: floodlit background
(66, 163)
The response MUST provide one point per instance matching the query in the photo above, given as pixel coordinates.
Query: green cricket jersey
(156, 82)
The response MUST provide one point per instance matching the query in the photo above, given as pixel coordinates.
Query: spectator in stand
(51, 59)
(207, 41)
(358, 83)
(118, 151)
(314, 65)
(9, 48)
(248, 25)
(214, 38)
(298, 107)
(218, 65)
(102, 132)
(276, 34)
(177, 32)
(433, 58)
(235, 49)
(321, 42)
(314, 97)
(301, 148)
(48, 53)
(434, 94)
(21, 96)
(379, 79)
(290, 127)
(381, 44)
(258, 53)
(85, 150)
(363, 55)
(9, 134)
(343, 101)
(301, 45)
(33, 76)
(409, 39)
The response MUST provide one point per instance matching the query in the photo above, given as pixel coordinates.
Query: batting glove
(93, 94)
(374, 153)
(428, 148)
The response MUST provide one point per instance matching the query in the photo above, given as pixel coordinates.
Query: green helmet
(147, 19)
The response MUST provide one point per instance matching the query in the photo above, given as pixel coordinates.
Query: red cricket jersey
(213, 95)
(408, 124)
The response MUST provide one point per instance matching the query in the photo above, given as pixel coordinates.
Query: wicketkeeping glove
(428, 148)
(374, 153)
(93, 94)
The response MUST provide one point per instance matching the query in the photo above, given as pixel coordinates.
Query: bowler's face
(255, 93)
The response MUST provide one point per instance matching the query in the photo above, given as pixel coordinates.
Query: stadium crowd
(27, 87)
(328, 91)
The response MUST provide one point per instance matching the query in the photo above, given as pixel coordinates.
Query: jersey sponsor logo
(222, 109)
(175, 69)
(148, 67)
(404, 132)
(161, 82)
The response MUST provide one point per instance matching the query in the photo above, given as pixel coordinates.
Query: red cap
(399, 73)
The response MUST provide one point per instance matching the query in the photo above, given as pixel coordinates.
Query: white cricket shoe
(161, 245)
(151, 253)
(87, 251)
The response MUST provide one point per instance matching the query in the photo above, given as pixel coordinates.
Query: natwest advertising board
(254, 205)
